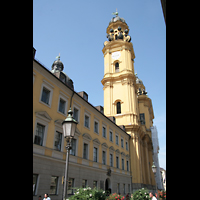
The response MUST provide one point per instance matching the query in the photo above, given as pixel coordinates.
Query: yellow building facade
(112, 147)
(100, 150)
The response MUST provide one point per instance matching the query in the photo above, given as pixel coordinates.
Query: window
(70, 189)
(111, 136)
(85, 151)
(84, 183)
(45, 95)
(111, 160)
(94, 184)
(117, 161)
(127, 165)
(124, 189)
(87, 122)
(122, 164)
(53, 185)
(75, 114)
(122, 143)
(117, 67)
(118, 188)
(39, 134)
(104, 131)
(58, 141)
(35, 180)
(117, 139)
(142, 118)
(95, 154)
(126, 145)
(62, 105)
(118, 108)
(129, 188)
(73, 149)
(96, 127)
(104, 157)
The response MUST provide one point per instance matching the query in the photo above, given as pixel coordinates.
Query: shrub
(115, 196)
(162, 194)
(88, 193)
(141, 194)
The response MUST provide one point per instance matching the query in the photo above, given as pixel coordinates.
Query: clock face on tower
(116, 55)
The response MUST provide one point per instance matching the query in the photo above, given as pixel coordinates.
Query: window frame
(64, 98)
(49, 87)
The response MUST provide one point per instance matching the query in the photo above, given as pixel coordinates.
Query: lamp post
(69, 127)
(154, 169)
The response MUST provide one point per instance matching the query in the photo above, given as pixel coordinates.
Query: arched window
(117, 67)
(118, 108)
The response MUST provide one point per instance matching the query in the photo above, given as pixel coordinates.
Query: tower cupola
(117, 29)
(57, 69)
(57, 65)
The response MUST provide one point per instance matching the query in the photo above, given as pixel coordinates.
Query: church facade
(112, 147)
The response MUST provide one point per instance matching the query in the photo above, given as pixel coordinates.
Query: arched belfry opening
(118, 108)
(116, 67)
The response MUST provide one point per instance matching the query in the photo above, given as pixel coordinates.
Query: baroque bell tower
(125, 98)
(120, 97)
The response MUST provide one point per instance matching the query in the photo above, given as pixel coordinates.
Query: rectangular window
(127, 165)
(84, 183)
(62, 104)
(104, 157)
(39, 134)
(95, 154)
(96, 127)
(35, 180)
(122, 143)
(122, 164)
(111, 136)
(87, 121)
(127, 146)
(58, 141)
(85, 151)
(118, 188)
(117, 161)
(75, 114)
(117, 139)
(94, 184)
(129, 188)
(73, 149)
(70, 189)
(142, 118)
(111, 160)
(124, 189)
(53, 185)
(104, 132)
(45, 95)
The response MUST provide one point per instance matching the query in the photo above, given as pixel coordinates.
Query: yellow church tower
(126, 100)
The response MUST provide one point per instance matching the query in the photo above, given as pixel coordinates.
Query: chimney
(100, 108)
(84, 95)
(112, 118)
(122, 127)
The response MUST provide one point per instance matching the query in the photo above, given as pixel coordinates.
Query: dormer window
(117, 67)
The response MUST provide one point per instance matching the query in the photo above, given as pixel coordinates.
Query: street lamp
(69, 127)
(154, 168)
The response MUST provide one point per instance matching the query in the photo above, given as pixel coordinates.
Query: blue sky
(77, 30)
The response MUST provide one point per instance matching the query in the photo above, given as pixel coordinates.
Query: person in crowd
(152, 197)
(46, 197)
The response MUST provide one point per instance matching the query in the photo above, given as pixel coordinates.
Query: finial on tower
(115, 13)
(58, 57)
